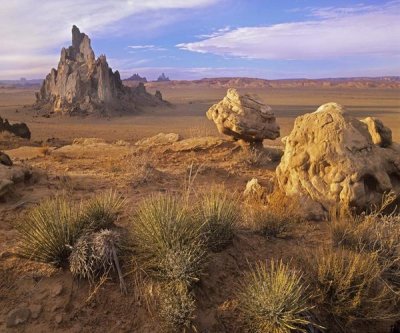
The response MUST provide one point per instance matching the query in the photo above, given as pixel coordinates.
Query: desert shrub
(253, 157)
(101, 211)
(94, 254)
(373, 232)
(220, 214)
(176, 307)
(273, 298)
(277, 218)
(349, 287)
(48, 231)
(168, 242)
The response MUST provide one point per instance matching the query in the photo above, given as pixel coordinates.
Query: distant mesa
(82, 84)
(163, 78)
(136, 77)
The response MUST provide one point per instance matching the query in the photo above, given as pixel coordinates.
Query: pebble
(18, 316)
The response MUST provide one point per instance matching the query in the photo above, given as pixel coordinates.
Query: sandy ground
(83, 170)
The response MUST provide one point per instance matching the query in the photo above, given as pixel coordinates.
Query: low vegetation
(50, 230)
(349, 288)
(277, 218)
(273, 298)
(220, 213)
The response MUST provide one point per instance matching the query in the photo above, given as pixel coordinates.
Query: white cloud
(146, 48)
(334, 32)
(31, 28)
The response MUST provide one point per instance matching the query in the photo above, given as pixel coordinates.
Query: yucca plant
(101, 211)
(220, 214)
(168, 242)
(49, 230)
(273, 299)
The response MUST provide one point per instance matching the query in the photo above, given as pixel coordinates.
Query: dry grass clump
(277, 218)
(176, 307)
(93, 254)
(169, 243)
(49, 230)
(273, 298)
(220, 213)
(349, 288)
(140, 167)
(253, 157)
(372, 232)
(101, 211)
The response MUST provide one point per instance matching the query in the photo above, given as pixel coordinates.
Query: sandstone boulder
(254, 191)
(330, 157)
(380, 134)
(243, 117)
(82, 84)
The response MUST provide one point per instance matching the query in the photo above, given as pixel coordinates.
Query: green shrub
(349, 287)
(272, 298)
(168, 242)
(220, 213)
(49, 230)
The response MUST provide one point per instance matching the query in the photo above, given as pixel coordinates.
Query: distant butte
(83, 85)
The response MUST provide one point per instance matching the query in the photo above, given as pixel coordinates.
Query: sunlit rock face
(83, 84)
(331, 157)
(242, 117)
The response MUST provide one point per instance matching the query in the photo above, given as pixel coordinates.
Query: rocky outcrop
(18, 129)
(331, 157)
(159, 139)
(380, 134)
(243, 117)
(82, 84)
(136, 77)
(163, 78)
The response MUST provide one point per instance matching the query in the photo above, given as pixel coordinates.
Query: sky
(193, 39)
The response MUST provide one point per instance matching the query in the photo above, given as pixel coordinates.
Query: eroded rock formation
(331, 157)
(242, 117)
(18, 129)
(82, 84)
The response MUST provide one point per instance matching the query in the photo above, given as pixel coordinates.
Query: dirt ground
(81, 170)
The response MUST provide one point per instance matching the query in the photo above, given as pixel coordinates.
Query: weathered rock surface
(18, 316)
(10, 176)
(18, 129)
(159, 139)
(380, 134)
(254, 191)
(330, 157)
(82, 84)
(242, 117)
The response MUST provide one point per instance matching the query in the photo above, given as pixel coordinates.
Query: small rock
(57, 290)
(36, 310)
(18, 316)
(58, 318)
(5, 159)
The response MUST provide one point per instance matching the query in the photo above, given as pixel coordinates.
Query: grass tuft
(349, 287)
(272, 298)
(101, 211)
(277, 218)
(49, 230)
(220, 213)
(169, 243)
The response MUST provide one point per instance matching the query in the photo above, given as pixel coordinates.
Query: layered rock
(243, 117)
(331, 157)
(18, 129)
(82, 84)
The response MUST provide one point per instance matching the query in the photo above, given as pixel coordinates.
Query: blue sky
(192, 39)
